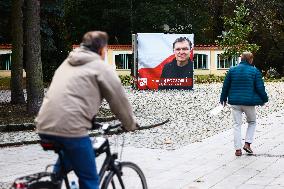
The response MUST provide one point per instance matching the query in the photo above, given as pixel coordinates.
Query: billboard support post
(134, 68)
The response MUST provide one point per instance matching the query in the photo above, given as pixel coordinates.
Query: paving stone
(251, 186)
(260, 180)
(210, 163)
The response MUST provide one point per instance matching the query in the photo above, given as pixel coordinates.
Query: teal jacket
(243, 85)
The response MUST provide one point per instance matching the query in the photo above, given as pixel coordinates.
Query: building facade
(207, 59)
(5, 60)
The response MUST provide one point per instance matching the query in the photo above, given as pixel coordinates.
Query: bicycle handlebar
(106, 127)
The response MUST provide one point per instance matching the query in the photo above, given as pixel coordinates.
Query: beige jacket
(75, 95)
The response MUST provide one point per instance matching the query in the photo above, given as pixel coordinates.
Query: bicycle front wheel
(132, 178)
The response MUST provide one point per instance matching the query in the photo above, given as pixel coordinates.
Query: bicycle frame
(111, 166)
(63, 171)
(109, 163)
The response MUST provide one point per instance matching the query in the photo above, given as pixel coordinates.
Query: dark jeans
(78, 155)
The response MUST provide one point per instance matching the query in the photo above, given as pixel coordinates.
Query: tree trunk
(17, 94)
(33, 57)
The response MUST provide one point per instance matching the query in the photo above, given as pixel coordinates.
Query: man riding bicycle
(74, 98)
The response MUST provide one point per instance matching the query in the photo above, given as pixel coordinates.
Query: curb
(17, 127)
(93, 134)
(31, 126)
(14, 144)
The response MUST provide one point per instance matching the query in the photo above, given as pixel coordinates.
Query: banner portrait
(165, 61)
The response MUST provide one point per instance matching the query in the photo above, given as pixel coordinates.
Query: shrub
(4, 83)
(274, 80)
(208, 78)
(126, 80)
(272, 74)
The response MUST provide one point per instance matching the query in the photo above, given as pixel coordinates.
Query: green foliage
(122, 18)
(63, 22)
(54, 45)
(272, 74)
(208, 78)
(235, 39)
(274, 80)
(178, 16)
(5, 83)
(126, 80)
(5, 21)
(268, 24)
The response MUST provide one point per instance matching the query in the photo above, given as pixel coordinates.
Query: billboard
(165, 61)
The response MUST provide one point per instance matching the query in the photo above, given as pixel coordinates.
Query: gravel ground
(188, 112)
(4, 185)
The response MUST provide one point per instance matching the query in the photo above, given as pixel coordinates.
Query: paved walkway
(208, 164)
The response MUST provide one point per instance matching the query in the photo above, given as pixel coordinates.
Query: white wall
(2, 51)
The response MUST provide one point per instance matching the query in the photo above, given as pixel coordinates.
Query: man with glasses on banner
(178, 74)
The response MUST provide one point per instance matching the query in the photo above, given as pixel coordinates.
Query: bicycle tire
(136, 180)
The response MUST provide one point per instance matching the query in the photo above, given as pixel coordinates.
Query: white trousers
(237, 111)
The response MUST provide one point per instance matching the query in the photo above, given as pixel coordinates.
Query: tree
(5, 21)
(33, 57)
(268, 26)
(54, 46)
(267, 20)
(216, 22)
(234, 41)
(17, 94)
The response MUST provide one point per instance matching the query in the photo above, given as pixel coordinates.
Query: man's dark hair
(95, 40)
(181, 39)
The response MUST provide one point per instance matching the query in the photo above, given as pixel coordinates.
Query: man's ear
(102, 52)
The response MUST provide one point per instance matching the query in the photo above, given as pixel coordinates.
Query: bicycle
(111, 174)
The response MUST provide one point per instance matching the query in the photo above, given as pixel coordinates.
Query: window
(123, 61)
(225, 63)
(200, 61)
(5, 62)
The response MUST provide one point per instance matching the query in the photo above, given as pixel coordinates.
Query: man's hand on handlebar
(118, 126)
(137, 126)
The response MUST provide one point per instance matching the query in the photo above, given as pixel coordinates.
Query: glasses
(179, 49)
